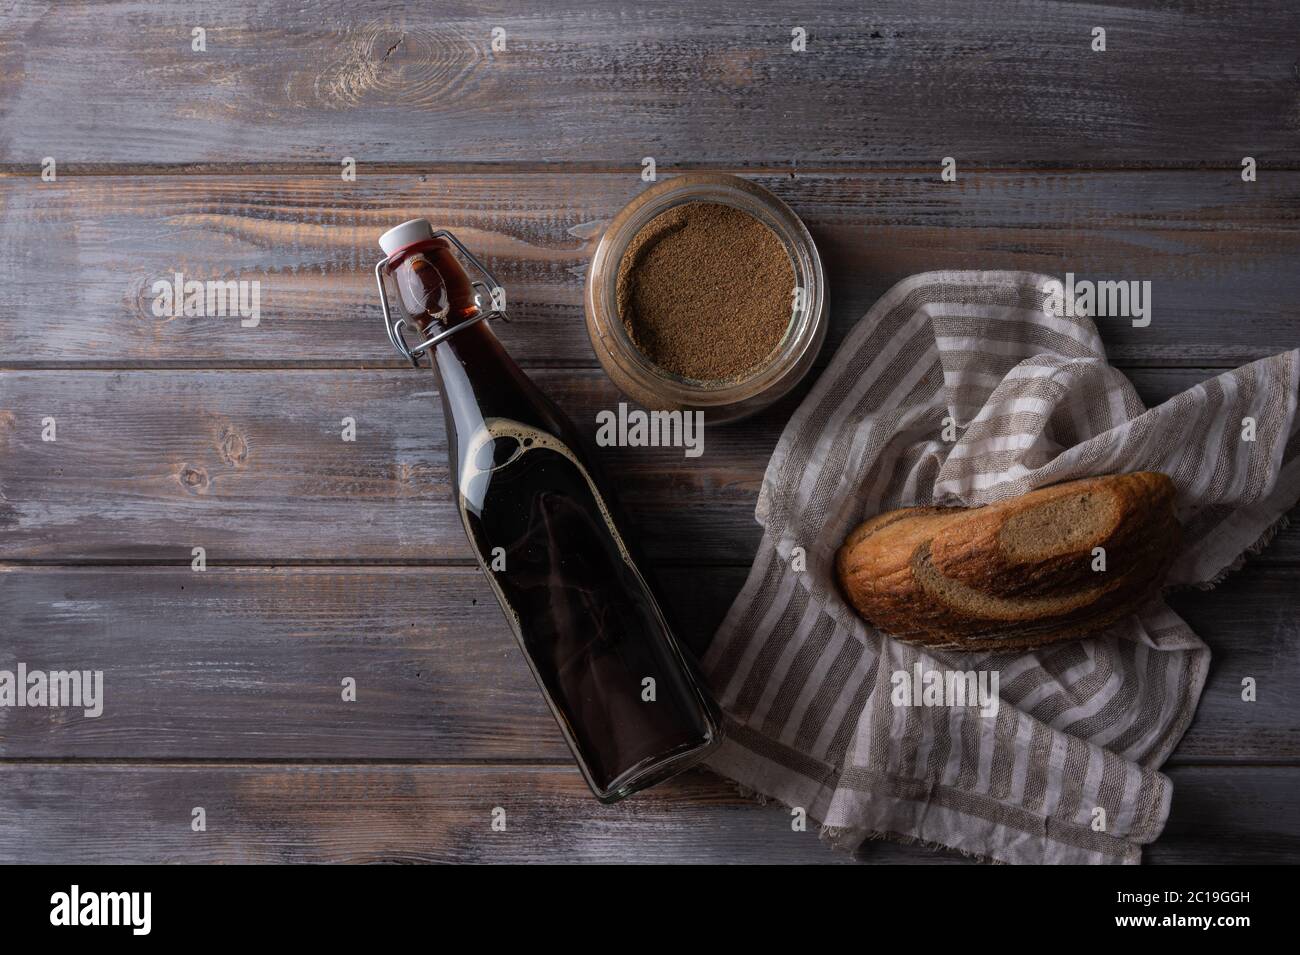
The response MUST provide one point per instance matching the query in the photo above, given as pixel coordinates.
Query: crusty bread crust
(1018, 573)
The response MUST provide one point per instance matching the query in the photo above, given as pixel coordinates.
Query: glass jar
(657, 388)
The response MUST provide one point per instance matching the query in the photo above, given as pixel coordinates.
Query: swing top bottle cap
(400, 236)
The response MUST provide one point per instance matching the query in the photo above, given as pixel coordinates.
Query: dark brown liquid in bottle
(549, 539)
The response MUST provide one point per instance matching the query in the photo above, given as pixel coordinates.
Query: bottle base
(656, 769)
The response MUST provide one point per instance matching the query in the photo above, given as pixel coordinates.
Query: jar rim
(800, 342)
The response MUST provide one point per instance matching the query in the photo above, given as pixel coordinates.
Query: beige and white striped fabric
(806, 685)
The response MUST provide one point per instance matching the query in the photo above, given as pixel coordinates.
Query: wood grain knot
(140, 298)
(378, 64)
(234, 449)
(194, 479)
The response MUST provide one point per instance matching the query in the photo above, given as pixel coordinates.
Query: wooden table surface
(329, 560)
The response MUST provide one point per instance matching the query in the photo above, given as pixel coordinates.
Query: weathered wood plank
(78, 257)
(244, 663)
(998, 82)
(136, 814)
(1230, 815)
(251, 466)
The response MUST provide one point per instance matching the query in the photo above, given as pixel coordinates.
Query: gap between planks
(378, 563)
(330, 170)
(398, 364)
(479, 765)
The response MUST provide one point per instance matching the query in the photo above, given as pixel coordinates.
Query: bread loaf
(1019, 573)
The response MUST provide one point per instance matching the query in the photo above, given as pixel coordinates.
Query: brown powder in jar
(706, 291)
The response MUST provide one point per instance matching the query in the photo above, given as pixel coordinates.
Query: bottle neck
(434, 289)
(475, 347)
(478, 380)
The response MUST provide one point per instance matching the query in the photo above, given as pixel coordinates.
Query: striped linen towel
(806, 685)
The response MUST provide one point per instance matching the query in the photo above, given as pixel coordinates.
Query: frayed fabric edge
(849, 839)
(1264, 539)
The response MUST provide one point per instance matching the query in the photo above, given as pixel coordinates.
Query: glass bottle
(547, 534)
